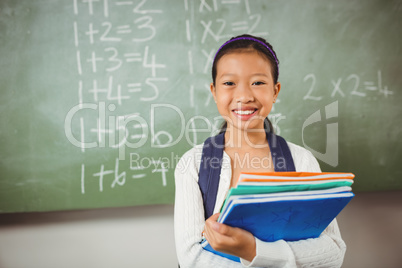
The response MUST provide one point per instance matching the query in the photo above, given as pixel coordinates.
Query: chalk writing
(215, 5)
(121, 71)
(106, 83)
(350, 86)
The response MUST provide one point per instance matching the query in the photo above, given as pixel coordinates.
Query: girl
(245, 86)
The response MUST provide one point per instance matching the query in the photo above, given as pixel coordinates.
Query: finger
(223, 229)
(214, 217)
(220, 229)
(211, 222)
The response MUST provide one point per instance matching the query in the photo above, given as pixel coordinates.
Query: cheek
(223, 103)
(267, 102)
(223, 99)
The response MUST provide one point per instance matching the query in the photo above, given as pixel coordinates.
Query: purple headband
(252, 39)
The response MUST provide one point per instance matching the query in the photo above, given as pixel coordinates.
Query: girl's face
(244, 90)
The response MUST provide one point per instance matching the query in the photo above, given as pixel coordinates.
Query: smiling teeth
(244, 112)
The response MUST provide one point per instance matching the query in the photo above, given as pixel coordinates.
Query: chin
(248, 127)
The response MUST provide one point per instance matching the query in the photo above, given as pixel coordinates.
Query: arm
(234, 241)
(252, 251)
(327, 250)
(189, 218)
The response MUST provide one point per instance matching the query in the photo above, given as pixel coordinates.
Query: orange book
(293, 176)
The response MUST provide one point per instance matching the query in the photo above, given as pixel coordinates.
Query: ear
(277, 88)
(213, 90)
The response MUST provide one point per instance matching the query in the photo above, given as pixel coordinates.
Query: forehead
(244, 62)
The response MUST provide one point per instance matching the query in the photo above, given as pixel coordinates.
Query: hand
(231, 240)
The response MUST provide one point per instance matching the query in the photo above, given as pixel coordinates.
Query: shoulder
(303, 159)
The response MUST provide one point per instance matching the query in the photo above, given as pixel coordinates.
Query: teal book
(258, 189)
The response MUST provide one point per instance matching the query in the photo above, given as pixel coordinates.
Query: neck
(240, 138)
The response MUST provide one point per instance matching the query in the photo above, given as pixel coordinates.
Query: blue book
(289, 217)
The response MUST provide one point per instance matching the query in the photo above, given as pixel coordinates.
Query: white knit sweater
(328, 250)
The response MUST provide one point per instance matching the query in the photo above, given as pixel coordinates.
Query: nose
(244, 94)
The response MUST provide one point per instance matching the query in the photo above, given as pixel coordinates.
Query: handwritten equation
(110, 90)
(351, 85)
(116, 176)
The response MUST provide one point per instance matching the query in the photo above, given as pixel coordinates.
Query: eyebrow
(260, 74)
(229, 74)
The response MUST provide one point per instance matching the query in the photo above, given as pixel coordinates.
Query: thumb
(225, 230)
(212, 222)
(214, 217)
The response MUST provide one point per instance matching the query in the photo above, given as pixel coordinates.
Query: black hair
(247, 44)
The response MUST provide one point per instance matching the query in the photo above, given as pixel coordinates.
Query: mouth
(245, 113)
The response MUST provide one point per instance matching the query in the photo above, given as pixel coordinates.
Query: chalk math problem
(100, 98)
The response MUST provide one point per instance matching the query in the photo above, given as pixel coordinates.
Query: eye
(228, 83)
(258, 83)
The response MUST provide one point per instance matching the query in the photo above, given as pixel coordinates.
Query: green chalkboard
(99, 99)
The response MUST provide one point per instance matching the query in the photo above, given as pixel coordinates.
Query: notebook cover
(290, 220)
(208, 247)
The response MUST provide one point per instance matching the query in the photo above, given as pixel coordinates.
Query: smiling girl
(245, 86)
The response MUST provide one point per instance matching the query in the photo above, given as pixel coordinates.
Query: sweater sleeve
(189, 218)
(327, 250)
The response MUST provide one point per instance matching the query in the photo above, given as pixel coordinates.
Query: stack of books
(285, 205)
